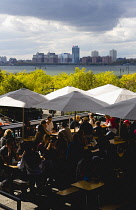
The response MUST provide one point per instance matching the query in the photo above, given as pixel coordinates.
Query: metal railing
(12, 197)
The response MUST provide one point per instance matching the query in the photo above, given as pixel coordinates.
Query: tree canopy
(40, 82)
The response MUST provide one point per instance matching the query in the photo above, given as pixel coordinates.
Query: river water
(57, 69)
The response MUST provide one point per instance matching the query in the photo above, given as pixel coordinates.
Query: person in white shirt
(49, 124)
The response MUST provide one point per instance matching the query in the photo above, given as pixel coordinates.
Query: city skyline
(34, 26)
(73, 57)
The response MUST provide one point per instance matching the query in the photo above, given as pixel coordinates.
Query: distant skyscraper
(75, 54)
(51, 58)
(3, 59)
(65, 58)
(113, 54)
(94, 53)
(38, 58)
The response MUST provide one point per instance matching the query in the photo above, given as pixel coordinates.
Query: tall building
(38, 58)
(106, 60)
(94, 53)
(65, 58)
(75, 54)
(3, 59)
(51, 58)
(87, 59)
(97, 60)
(113, 54)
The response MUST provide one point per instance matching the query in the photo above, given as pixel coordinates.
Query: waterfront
(57, 69)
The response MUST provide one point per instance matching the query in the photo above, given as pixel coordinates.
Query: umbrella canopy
(74, 101)
(62, 91)
(124, 109)
(22, 98)
(116, 96)
(102, 89)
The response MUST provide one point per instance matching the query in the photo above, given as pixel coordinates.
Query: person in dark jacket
(75, 123)
(87, 129)
(126, 131)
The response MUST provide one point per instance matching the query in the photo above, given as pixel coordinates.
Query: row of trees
(40, 82)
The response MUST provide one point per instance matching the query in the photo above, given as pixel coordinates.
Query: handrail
(18, 200)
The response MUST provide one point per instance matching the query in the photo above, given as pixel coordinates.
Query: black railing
(18, 200)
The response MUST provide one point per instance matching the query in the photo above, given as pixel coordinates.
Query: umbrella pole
(119, 126)
(69, 120)
(75, 123)
(23, 119)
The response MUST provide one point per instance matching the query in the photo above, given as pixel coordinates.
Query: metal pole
(75, 123)
(120, 72)
(23, 119)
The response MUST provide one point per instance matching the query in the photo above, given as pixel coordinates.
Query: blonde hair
(77, 117)
(85, 119)
(8, 132)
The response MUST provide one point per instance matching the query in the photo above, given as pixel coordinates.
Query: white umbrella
(62, 91)
(74, 101)
(102, 89)
(116, 96)
(124, 109)
(22, 98)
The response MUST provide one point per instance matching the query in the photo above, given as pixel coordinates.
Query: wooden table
(84, 185)
(112, 141)
(56, 133)
(11, 166)
(87, 186)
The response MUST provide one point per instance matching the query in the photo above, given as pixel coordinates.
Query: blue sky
(31, 26)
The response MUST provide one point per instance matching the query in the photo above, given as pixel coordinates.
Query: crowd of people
(63, 159)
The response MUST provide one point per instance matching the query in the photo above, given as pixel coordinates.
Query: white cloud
(23, 36)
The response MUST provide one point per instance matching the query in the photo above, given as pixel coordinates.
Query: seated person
(28, 130)
(44, 124)
(8, 134)
(40, 134)
(31, 162)
(44, 144)
(8, 152)
(5, 178)
(111, 126)
(126, 131)
(91, 119)
(75, 123)
(66, 132)
(49, 125)
(88, 167)
(98, 130)
(86, 128)
(75, 150)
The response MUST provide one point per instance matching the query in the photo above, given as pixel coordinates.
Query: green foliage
(107, 77)
(128, 81)
(37, 80)
(82, 79)
(40, 82)
(9, 83)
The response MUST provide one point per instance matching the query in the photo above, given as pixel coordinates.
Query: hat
(126, 121)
